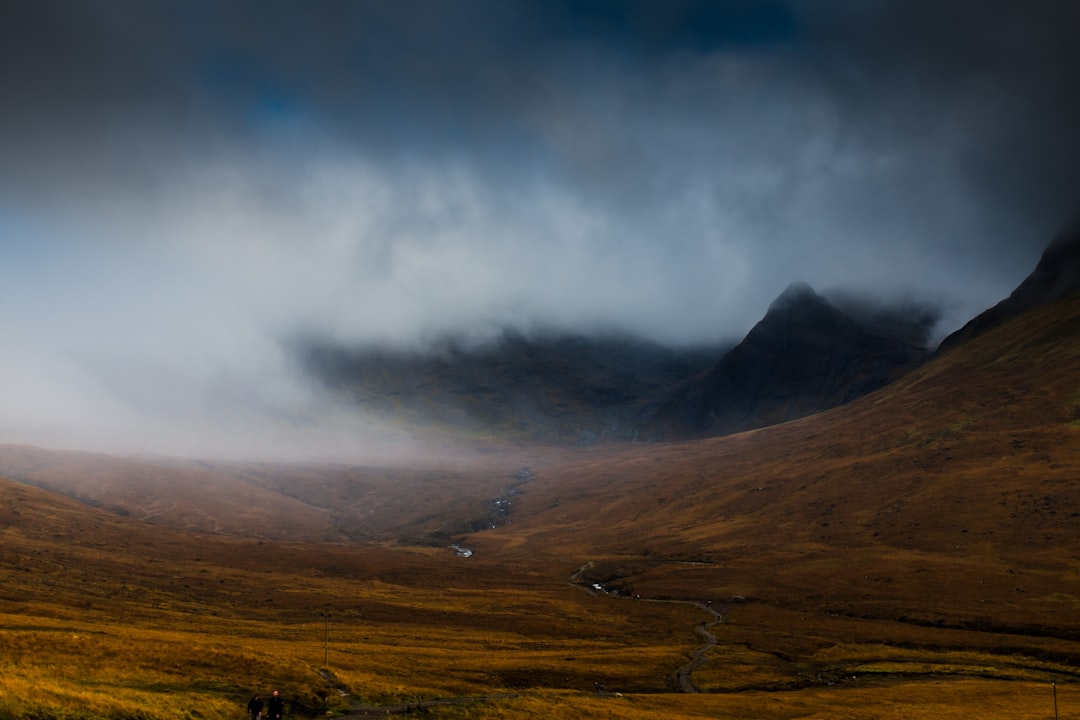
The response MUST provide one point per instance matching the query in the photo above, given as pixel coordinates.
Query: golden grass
(931, 698)
(544, 640)
(167, 624)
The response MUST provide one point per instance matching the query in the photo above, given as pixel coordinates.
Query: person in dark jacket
(276, 706)
(255, 706)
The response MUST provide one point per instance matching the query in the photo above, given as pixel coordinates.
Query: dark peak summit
(804, 356)
(796, 294)
(1056, 275)
(799, 316)
(798, 309)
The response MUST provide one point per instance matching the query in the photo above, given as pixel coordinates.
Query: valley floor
(87, 633)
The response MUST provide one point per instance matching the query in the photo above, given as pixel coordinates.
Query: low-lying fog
(189, 187)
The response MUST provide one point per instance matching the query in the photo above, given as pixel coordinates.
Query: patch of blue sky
(754, 24)
(251, 91)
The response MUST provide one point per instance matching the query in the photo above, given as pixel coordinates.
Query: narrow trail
(682, 676)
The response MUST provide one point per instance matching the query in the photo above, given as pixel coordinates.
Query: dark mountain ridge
(1056, 275)
(804, 356)
(548, 387)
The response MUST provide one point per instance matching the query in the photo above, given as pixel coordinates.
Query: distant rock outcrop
(803, 357)
(1056, 275)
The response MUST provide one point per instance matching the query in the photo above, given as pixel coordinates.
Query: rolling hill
(300, 503)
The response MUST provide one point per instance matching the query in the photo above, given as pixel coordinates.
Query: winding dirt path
(682, 676)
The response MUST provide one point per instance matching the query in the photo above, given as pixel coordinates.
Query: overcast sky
(186, 185)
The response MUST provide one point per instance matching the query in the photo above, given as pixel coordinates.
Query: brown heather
(913, 554)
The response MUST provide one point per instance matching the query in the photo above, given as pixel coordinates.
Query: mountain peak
(797, 293)
(804, 356)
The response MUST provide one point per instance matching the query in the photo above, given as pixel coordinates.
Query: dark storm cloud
(1001, 76)
(184, 184)
(507, 81)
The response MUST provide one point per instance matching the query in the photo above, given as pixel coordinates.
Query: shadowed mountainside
(545, 387)
(804, 356)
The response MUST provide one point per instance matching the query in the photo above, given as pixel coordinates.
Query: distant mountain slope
(551, 388)
(293, 502)
(804, 356)
(189, 495)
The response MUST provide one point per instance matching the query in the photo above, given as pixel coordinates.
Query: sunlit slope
(185, 495)
(415, 499)
(954, 491)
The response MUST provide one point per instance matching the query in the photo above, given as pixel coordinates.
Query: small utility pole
(326, 638)
(1054, 685)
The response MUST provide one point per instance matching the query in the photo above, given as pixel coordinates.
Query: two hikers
(275, 707)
